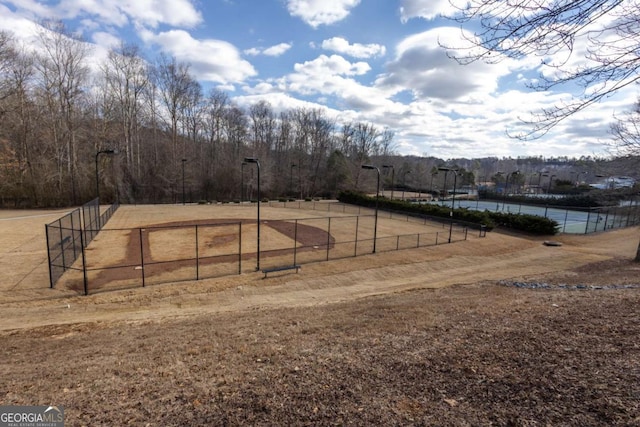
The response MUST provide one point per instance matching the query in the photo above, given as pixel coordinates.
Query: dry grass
(416, 337)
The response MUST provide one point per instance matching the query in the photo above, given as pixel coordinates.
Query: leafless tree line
(58, 112)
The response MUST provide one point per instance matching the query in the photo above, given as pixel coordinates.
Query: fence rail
(143, 256)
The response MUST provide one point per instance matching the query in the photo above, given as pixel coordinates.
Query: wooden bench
(283, 268)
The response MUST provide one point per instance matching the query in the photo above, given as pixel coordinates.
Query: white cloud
(424, 68)
(356, 50)
(254, 51)
(321, 12)
(106, 40)
(114, 12)
(426, 9)
(155, 12)
(332, 65)
(210, 60)
(24, 29)
(277, 50)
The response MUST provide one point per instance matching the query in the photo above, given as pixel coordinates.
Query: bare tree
(63, 74)
(601, 36)
(174, 82)
(126, 78)
(626, 132)
(263, 127)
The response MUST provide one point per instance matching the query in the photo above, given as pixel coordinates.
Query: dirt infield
(429, 336)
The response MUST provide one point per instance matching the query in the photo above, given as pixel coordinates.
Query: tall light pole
(183, 162)
(393, 175)
(293, 165)
(106, 151)
(453, 199)
(257, 162)
(375, 224)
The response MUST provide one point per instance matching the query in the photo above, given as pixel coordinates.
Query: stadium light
(453, 198)
(375, 224)
(257, 162)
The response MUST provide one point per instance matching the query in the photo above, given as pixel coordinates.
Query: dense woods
(61, 117)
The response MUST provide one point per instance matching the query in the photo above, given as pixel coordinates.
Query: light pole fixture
(293, 165)
(183, 162)
(106, 151)
(506, 187)
(453, 198)
(257, 162)
(393, 175)
(375, 224)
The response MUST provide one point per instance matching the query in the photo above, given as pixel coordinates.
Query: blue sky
(363, 60)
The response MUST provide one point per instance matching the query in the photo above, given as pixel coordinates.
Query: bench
(283, 268)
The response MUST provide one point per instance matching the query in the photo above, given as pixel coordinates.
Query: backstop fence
(68, 236)
(122, 258)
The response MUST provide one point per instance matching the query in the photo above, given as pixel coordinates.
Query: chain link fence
(68, 236)
(137, 257)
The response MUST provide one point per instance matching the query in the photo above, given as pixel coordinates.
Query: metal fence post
(64, 264)
(73, 238)
(239, 248)
(355, 246)
(141, 256)
(84, 268)
(295, 241)
(197, 256)
(328, 235)
(586, 227)
(46, 229)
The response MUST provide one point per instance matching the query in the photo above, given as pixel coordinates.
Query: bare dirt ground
(499, 330)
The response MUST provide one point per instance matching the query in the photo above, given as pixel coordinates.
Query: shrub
(528, 223)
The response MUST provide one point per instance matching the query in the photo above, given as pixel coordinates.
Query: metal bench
(283, 268)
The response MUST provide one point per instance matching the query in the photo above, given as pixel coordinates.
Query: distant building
(613, 182)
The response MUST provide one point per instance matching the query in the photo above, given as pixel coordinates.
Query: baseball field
(499, 330)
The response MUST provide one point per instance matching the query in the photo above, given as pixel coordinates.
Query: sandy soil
(429, 336)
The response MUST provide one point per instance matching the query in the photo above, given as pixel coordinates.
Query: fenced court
(145, 245)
